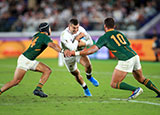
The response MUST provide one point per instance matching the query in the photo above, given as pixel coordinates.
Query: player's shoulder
(81, 29)
(65, 32)
(103, 36)
(117, 31)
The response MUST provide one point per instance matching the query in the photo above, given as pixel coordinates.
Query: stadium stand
(25, 15)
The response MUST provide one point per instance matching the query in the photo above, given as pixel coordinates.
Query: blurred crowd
(25, 15)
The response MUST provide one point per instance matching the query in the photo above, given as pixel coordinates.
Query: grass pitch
(66, 96)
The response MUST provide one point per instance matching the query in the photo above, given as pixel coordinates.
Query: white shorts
(71, 62)
(129, 65)
(26, 64)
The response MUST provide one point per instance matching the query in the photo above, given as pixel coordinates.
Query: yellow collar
(42, 32)
(109, 30)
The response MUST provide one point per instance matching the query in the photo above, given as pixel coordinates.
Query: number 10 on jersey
(119, 39)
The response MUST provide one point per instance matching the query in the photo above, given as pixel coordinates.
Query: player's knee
(48, 71)
(113, 85)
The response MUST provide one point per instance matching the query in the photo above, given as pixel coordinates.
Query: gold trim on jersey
(129, 50)
(109, 30)
(37, 49)
(42, 32)
(113, 51)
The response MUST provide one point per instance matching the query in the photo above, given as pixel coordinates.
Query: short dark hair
(74, 21)
(109, 22)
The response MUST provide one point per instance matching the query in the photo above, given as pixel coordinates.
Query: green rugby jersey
(117, 43)
(39, 44)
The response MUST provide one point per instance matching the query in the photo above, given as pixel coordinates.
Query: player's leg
(80, 80)
(148, 83)
(121, 70)
(117, 78)
(18, 76)
(46, 71)
(137, 72)
(78, 77)
(116, 82)
(71, 66)
(84, 61)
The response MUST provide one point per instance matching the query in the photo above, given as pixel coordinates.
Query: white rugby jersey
(68, 39)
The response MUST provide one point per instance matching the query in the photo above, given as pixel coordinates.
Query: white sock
(84, 84)
(88, 73)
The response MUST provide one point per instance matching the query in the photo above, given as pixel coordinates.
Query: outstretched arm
(88, 51)
(58, 49)
(54, 46)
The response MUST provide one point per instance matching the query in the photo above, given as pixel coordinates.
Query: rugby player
(26, 61)
(128, 60)
(75, 38)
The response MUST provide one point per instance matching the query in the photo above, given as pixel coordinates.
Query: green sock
(148, 83)
(39, 86)
(125, 86)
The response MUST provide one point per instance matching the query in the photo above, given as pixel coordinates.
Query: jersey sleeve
(47, 40)
(101, 42)
(89, 41)
(67, 42)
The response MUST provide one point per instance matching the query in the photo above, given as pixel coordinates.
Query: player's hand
(67, 53)
(79, 36)
(72, 53)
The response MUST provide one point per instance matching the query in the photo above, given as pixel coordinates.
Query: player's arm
(69, 44)
(88, 40)
(88, 51)
(54, 46)
(58, 49)
(100, 43)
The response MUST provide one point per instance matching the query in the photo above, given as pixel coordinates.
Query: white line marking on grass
(118, 99)
(91, 102)
(146, 102)
(135, 101)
